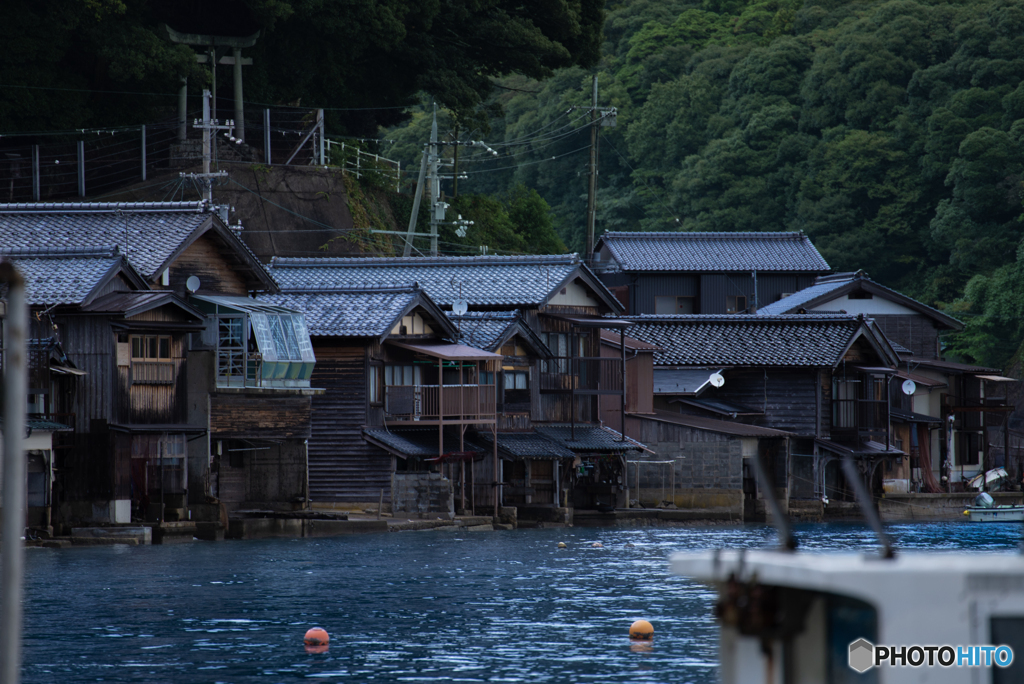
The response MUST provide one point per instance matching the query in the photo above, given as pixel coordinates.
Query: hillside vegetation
(890, 132)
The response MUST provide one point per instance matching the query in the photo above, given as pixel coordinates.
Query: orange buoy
(641, 630)
(316, 637)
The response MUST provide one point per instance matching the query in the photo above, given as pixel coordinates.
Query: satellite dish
(192, 284)
(716, 379)
(460, 306)
(909, 387)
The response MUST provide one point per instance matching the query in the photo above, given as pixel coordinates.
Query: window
(674, 306)
(558, 343)
(376, 378)
(402, 375)
(735, 304)
(151, 362)
(860, 295)
(518, 380)
(231, 347)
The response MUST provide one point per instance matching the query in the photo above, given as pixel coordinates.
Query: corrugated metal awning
(922, 380)
(868, 448)
(997, 378)
(449, 351)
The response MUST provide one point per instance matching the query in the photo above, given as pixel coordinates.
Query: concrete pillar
(239, 108)
(182, 109)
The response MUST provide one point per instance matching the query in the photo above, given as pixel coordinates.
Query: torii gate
(212, 43)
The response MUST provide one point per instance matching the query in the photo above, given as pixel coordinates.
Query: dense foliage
(890, 132)
(85, 63)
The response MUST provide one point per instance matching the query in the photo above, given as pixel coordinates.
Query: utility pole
(588, 254)
(430, 171)
(436, 208)
(209, 127)
(599, 116)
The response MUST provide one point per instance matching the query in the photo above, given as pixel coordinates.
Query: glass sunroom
(258, 345)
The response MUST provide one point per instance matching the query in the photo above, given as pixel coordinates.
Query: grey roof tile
(840, 283)
(484, 280)
(747, 339)
(62, 276)
(484, 329)
(714, 252)
(796, 300)
(525, 445)
(588, 438)
(152, 230)
(348, 313)
(416, 443)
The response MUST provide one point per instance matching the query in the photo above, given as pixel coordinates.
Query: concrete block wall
(422, 493)
(705, 474)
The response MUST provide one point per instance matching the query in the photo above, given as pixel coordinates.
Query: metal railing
(354, 160)
(859, 414)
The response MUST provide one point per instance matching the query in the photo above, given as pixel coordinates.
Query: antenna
(716, 379)
(192, 284)
(909, 387)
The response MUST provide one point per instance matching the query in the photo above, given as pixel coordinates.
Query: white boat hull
(995, 514)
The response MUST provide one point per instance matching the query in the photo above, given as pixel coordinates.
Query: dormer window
(258, 345)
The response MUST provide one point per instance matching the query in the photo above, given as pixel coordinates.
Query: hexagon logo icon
(862, 655)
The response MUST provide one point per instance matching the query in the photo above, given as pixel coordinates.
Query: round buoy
(562, 545)
(316, 637)
(641, 630)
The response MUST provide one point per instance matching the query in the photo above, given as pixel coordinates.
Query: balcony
(859, 417)
(437, 403)
(589, 375)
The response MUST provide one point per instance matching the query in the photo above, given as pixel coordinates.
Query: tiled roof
(484, 329)
(526, 445)
(826, 288)
(484, 280)
(747, 339)
(153, 230)
(416, 443)
(588, 438)
(798, 299)
(62, 276)
(348, 313)
(714, 252)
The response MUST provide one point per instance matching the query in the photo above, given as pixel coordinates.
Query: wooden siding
(89, 342)
(342, 466)
(916, 333)
(259, 415)
(787, 397)
(206, 259)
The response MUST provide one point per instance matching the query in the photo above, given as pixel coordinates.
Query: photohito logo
(864, 655)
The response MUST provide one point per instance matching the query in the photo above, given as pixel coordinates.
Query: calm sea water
(433, 606)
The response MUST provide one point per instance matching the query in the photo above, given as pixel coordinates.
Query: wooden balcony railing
(582, 374)
(514, 422)
(859, 414)
(433, 402)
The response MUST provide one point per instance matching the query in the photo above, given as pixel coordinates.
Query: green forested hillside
(890, 132)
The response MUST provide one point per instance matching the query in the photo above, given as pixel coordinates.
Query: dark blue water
(409, 607)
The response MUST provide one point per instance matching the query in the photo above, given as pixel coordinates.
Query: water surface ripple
(439, 606)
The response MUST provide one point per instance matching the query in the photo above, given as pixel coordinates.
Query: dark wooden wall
(205, 260)
(259, 414)
(709, 289)
(787, 397)
(342, 466)
(916, 333)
